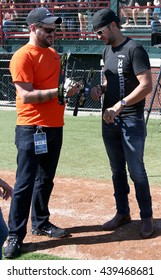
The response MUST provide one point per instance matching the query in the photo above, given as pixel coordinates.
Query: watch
(123, 102)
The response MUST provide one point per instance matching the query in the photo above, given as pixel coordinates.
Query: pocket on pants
(24, 138)
(135, 125)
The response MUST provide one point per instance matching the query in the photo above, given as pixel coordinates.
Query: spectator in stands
(9, 27)
(5, 193)
(9, 14)
(142, 11)
(125, 11)
(35, 70)
(8, 10)
(44, 3)
(83, 17)
(157, 9)
(34, 3)
(9, 24)
(156, 17)
(59, 9)
(128, 82)
(69, 16)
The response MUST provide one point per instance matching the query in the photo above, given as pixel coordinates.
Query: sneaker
(13, 249)
(50, 230)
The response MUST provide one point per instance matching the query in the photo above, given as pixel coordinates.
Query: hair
(118, 24)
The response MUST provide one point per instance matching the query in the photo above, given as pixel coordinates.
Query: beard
(43, 40)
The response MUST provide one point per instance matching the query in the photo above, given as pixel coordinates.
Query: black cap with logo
(43, 15)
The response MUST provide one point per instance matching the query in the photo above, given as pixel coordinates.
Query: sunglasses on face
(101, 31)
(47, 30)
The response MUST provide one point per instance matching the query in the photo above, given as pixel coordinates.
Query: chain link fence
(8, 94)
(7, 88)
(153, 100)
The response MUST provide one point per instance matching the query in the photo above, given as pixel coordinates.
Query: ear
(32, 27)
(113, 24)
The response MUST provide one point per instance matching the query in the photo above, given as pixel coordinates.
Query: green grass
(7, 147)
(36, 256)
(153, 152)
(83, 154)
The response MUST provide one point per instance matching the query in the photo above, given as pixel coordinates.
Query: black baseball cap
(103, 17)
(42, 15)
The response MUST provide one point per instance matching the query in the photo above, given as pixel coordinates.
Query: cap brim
(99, 24)
(51, 20)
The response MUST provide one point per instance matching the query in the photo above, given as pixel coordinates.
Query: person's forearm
(138, 94)
(38, 95)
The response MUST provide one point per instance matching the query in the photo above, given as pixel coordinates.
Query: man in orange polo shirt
(35, 70)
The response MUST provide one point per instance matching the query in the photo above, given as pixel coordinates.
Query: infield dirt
(82, 206)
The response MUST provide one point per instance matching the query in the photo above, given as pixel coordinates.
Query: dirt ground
(82, 206)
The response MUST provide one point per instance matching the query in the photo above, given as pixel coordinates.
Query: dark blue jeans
(34, 179)
(124, 142)
(3, 232)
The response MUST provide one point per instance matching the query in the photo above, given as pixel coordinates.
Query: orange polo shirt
(41, 67)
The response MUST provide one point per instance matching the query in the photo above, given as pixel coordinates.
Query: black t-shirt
(121, 65)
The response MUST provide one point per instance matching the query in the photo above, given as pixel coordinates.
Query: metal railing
(13, 19)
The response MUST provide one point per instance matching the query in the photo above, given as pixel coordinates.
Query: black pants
(34, 179)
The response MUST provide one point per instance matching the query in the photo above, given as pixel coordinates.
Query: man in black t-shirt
(128, 76)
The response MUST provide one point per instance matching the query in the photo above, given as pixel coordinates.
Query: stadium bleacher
(85, 45)
(14, 32)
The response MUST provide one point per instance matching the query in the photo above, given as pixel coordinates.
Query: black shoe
(117, 221)
(13, 249)
(147, 227)
(50, 230)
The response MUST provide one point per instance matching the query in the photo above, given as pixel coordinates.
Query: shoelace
(12, 242)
